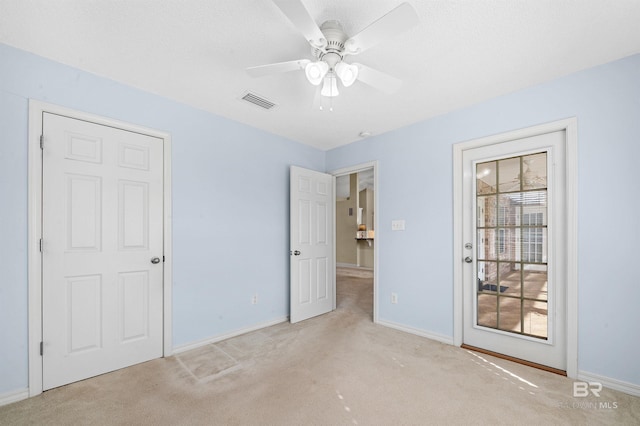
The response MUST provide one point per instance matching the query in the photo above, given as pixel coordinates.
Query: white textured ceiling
(195, 52)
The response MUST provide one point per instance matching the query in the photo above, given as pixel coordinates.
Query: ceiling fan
(330, 46)
(530, 179)
(526, 180)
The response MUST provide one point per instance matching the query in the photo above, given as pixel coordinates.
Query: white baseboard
(608, 382)
(15, 396)
(221, 337)
(346, 265)
(429, 335)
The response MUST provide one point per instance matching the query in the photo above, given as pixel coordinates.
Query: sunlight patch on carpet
(207, 363)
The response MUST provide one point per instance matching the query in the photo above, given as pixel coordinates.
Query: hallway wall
(346, 225)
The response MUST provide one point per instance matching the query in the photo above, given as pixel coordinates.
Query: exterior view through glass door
(514, 236)
(512, 245)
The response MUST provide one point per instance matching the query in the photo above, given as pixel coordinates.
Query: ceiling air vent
(258, 100)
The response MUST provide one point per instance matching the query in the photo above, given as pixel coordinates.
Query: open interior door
(312, 286)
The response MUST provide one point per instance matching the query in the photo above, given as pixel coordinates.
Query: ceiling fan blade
(280, 67)
(378, 79)
(393, 23)
(302, 20)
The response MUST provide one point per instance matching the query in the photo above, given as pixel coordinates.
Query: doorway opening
(355, 225)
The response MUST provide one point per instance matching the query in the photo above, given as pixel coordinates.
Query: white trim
(418, 332)
(346, 265)
(167, 279)
(457, 246)
(11, 397)
(34, 268)
(215, 339)
(570, 126)
(36, 110)
(619, 385)
(333, 247)
(571, 193)
(355, 169)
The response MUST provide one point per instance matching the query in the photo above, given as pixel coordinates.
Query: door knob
(155, 260)
(468, 259)
(296, 253)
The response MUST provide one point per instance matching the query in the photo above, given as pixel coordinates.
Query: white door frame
(36, 111)
(570, 126)
(355, 169)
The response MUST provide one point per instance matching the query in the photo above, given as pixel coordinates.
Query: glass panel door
(514, 247)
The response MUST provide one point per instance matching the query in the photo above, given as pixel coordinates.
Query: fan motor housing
(335, 36)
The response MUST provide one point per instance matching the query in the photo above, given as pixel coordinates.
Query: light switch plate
(397, 225)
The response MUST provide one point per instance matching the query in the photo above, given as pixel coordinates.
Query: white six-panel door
(312, 244)
(102, 224)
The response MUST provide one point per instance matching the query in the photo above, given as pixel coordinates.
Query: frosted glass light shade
(347, 73)
(315, 72)
(330, 86)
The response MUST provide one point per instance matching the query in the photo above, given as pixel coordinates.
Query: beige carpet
(337, 369)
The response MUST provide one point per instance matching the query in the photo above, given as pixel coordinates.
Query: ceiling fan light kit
(348, 73)
(330, 44)
(330, 86)
(315, 72)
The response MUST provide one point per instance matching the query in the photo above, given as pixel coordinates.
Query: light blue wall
(230, 204)
(230, 184)
(13, 242)
(415, 169)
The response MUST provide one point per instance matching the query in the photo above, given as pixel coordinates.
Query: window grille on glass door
(511, 224)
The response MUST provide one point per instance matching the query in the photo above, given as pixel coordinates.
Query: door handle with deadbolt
(468, 259)
(155, 260)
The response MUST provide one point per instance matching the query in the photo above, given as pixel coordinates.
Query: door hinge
(41, 141)
(163, 259)
(41, 348)
(40, 245)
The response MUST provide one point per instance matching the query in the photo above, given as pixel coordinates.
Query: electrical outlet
(394, 298)
(254, 299)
